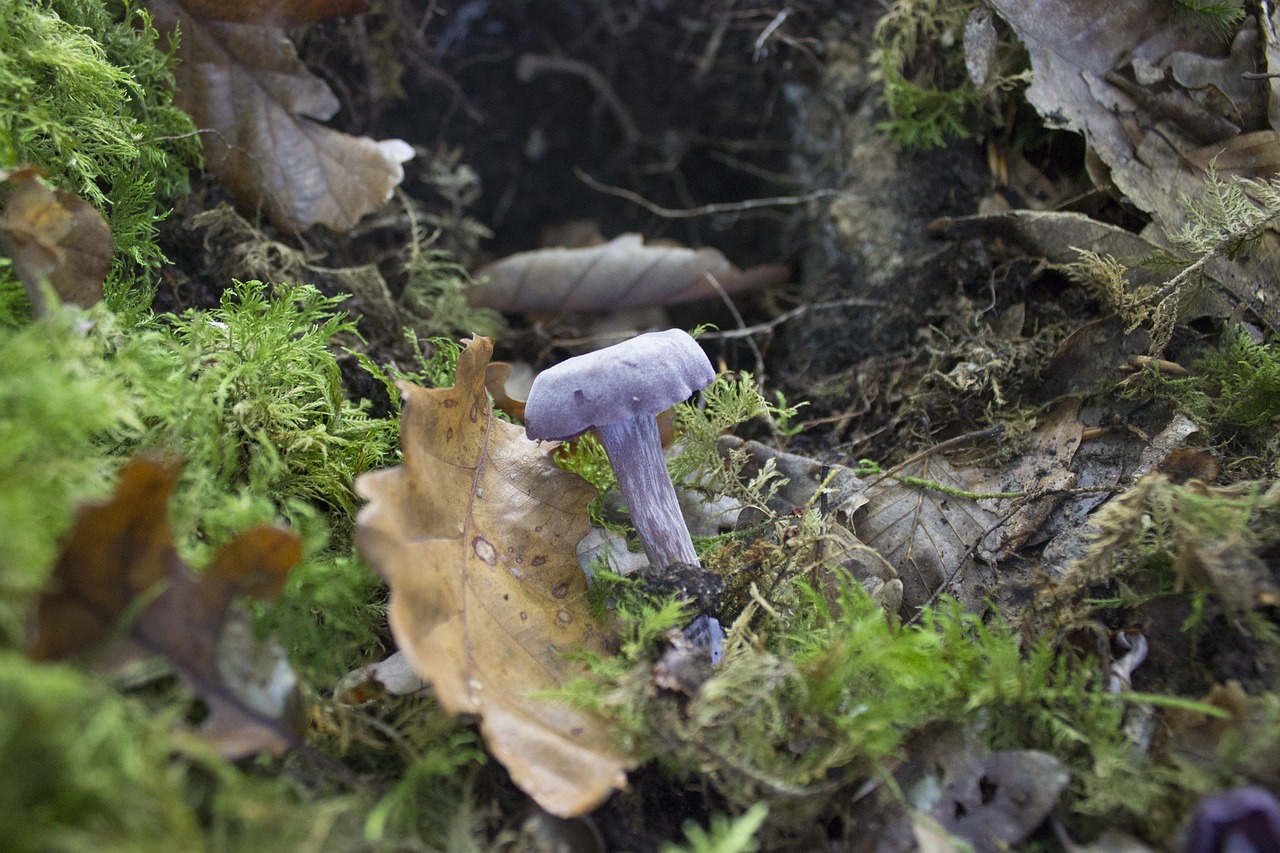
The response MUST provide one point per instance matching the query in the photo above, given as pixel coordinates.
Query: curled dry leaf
(622, 273)
(120, 553)
(475, 534)
(55, 236)
(244, 84)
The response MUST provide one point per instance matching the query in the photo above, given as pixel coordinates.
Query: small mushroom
(617, 391)
(1239, 820)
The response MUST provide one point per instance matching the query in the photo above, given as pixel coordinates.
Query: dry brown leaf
(55, 236)
(929, 536)
(1075, 48)
(622, 273)
(245, 86)
(996, 802)
(120, 555)
(475, 534)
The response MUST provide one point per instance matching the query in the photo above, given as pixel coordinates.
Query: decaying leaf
(996, 802)
(120, 557)
(1075, 49)
(54, 236)
(1042, 473)
(475, 534)
(928, 535)
(622, 273)
(244, 85)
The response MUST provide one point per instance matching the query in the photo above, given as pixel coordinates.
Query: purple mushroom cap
(643, 376)
(1239, 820)
(616, 392)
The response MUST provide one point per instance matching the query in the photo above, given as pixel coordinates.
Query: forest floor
(985, 494)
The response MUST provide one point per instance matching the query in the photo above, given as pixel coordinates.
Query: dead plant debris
(983, 497)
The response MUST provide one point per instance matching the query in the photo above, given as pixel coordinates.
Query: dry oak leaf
(119, 556)
(245, 87)
(55, 236)
(622, 273)
(475, 534)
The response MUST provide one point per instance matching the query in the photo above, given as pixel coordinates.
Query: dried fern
(1226, 219)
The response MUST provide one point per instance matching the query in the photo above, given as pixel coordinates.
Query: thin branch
(788, 316)
(531, 65)
(706, 209)
(737, 316)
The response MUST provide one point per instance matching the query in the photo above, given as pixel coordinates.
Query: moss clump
(820, 692)
(1234, 387)
(926, 89)
(84, 770)
(86, 95)
(249, 393)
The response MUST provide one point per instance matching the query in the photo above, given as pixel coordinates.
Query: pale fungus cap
(642, 376)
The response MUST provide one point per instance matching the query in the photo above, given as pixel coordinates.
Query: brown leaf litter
(475, 534)
(119, 566)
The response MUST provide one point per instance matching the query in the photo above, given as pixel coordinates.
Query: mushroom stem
(635, 452)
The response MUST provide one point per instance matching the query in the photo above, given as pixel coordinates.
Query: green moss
(926, 88)
(854, 688)
(85, 770)
(737, 835)
(249, 394)
(1235, 386)
(261, 409)
(59, 401)
(331, 617)
(86, 94)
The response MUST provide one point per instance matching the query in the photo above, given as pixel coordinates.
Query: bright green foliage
(435, 297)
(1233, 387)
(330, 617)
(57, 400)
(927, 117)
(84, 770)
(431, 802)
(263, 407)
(249, 394)
(90, 771)
(727, 835)
(926, 88)
(1221, 16)
(853, 687)
(728, 402)
(86, 94)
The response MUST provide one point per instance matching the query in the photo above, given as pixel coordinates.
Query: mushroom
(617, 391)
(1239, 820)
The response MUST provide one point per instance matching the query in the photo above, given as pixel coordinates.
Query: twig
(530, 65)
(787, 316)
(703, 210)
(768, 31)
(737, 316)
